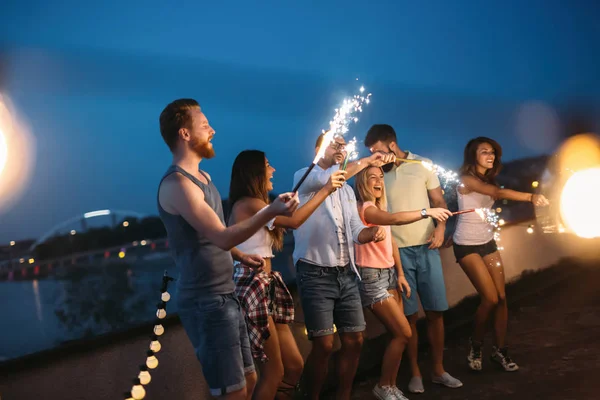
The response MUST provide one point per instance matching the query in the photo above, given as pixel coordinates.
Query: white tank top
(470, 229)
(261, 243)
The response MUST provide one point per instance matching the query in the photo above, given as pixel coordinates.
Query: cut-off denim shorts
(375, 284)
(329, 296)
(217, 329)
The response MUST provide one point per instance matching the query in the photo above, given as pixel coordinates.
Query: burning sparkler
(464, 211)
(447, 176)
(488, 215)
(339, 126)
(351, 153)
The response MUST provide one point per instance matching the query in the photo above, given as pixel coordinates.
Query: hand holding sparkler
(439, 214)
(285, 204)
(539, 200)
(336, 180)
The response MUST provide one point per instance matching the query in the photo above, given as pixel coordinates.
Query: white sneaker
(398, 393)
(475, 357)
(447, 380)
(384, 392)
(415, 385)
(501, 357)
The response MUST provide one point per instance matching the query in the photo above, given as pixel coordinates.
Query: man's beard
(203, 150)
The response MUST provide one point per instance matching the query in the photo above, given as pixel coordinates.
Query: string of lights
(138, 392)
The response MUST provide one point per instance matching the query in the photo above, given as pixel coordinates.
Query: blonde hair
(365, 194)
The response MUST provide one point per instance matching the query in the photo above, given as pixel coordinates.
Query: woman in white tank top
(475, 248)
(267, 303)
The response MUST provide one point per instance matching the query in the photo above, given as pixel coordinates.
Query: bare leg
(251, 379)
(435, 333)
(413, 345)
(271, 372)
(293, 364)
(479, 275)
(495, 267)
(348, 362)
(317, 365)
(390, 313)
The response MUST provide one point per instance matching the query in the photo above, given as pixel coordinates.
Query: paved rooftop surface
(554, 336)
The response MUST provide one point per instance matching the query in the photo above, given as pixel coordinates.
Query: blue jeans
(423, 271)
(217, 329)
(329, 295)
(375, 284)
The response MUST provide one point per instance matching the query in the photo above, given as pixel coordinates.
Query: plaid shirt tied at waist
(262, 294)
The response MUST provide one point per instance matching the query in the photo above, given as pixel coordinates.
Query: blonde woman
(382, 274)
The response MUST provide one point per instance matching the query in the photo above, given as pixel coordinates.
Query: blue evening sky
(91, 80)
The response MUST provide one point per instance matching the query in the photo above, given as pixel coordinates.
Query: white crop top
(471, 229)
(261, 243)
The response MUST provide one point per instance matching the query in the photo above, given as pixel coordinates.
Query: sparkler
(447, 176)
(351, 153)
(464, 211)
(339, 126)
(490, 216)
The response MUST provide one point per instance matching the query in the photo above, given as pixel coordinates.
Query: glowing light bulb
(155, 346)
(535, 184)
(501, 222)
(529, 229)
(137, 391)
(159, 330)
(165, 297)
(144, 375)
(151, 361)
(161, 313)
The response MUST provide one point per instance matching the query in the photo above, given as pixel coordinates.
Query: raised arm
(178, 195)
(474, 184)
(376, 159)
(335, 181)
(316, 179)
(375, 216)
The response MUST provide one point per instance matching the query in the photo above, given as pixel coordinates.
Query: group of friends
(374, 246)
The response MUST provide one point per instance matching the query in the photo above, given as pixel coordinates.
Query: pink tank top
(374, 255)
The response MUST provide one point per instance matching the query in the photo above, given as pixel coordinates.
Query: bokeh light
(576, 203)
(564, 183)
(17, 154)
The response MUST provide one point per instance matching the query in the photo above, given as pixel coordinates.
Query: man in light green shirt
(411, 186)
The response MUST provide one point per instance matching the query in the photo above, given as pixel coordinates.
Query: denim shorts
(329, 295)
(217, 329)
(423, 270)
(461, 250)
(375, 284)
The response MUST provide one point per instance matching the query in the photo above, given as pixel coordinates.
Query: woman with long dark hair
(476, 250)
(267, 303)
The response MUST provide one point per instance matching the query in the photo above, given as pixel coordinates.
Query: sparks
(347, 112)
(447, 176)
(490, 216)
(351, 153)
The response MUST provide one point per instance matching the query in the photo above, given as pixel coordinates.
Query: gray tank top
(203, 268)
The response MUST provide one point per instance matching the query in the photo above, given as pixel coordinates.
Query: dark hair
(469, 166)
(174, 117)
(380, 133)
(249, 179)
